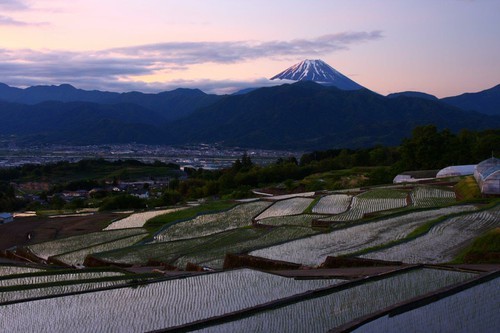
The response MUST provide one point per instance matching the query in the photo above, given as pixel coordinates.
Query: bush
(123, 201)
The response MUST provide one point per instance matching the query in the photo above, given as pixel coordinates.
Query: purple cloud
(116, 68)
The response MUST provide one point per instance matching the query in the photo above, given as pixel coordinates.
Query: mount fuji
(320, 72)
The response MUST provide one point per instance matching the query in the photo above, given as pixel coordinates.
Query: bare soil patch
(29, 230)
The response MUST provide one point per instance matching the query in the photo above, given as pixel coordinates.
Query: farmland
(216, 294)
(138, 220)
(179, 255)
(371, 201)
(293, 206)
(472, 310)
(314, 250)
(340, 307)
(443, 241)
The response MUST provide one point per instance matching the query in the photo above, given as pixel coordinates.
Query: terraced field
(74, 243)
(443, 242)
(333, 204)
(287, 207)
(204, 225)
(314, 250)
(76, 258)
(425, 196)
(137, 220)
(52, 283)
(207, 250)
(151, 307)
(9, 270)
(369, 202)
(67, 300)
(340, 307)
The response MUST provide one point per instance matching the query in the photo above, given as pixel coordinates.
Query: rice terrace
(357, 259)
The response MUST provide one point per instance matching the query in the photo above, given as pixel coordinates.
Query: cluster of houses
(141, 189)
(486, 173)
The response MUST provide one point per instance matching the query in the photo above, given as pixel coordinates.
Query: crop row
(328, 312)
(154, 306)
(287, 207)
(314, 250)
(9, 270)
(332, 204)
(208, 250)
(213, 254)
(68, 244)
(37, 279)
(56, 288)
(204, 225)
(77, 257)
(361, 206)
(472, 310)
(443, 241)
(424, 196)
(137, 220)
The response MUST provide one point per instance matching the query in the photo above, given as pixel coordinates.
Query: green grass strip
(309, 208)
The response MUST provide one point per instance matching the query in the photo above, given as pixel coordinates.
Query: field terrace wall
(232, 261)
(340, 262)
(25, 254)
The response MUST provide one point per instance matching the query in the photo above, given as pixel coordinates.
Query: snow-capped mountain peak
(317, 71)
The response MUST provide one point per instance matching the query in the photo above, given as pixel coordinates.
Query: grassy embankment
(467, 189)
(485, 249)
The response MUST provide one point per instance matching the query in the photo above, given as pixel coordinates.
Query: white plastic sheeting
(456, 170)
(487, 174)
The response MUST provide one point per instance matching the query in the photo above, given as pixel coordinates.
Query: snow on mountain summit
(317, 71)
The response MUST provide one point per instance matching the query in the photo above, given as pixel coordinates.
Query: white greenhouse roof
(488, 167)
(456, 170)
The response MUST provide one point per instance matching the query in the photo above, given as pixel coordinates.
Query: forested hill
(300, 116)
(307, 115)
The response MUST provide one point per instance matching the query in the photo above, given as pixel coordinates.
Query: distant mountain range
(308, 115)
(486, 101)
(301, 115)
(170, 105)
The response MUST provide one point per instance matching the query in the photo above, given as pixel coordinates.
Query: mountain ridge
(300, 115)
(308, 115)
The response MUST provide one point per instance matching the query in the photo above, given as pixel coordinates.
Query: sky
(442, 47)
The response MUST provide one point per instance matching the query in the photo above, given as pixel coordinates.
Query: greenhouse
(456, 170)
(487, 174)
(414, 176)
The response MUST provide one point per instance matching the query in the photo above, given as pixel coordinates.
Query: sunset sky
(442, 47)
